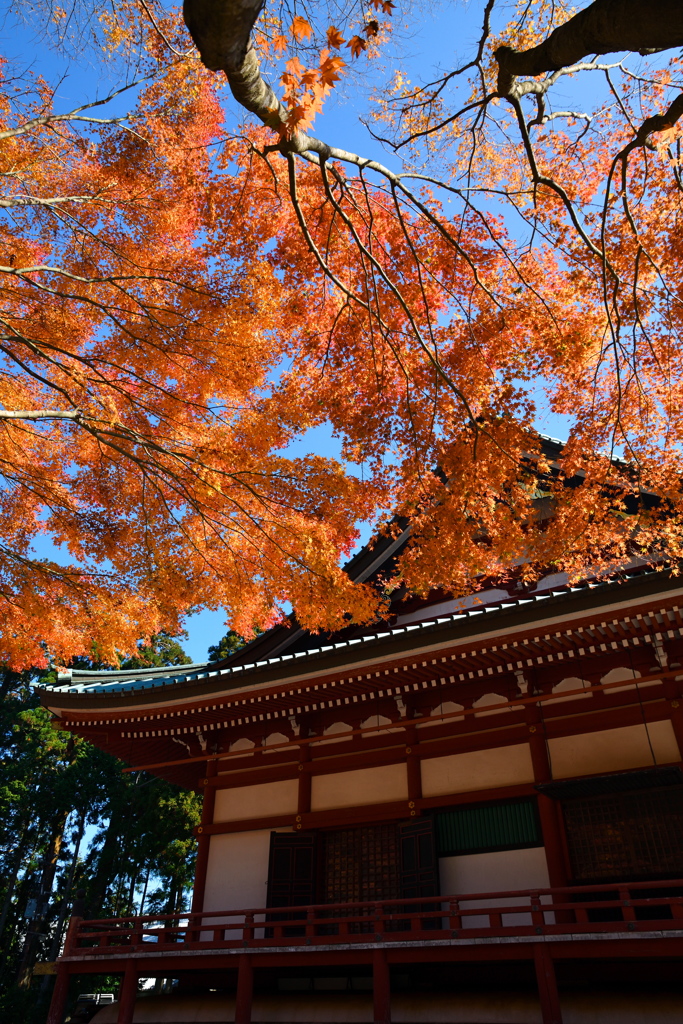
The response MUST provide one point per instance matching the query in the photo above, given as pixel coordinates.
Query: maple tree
(183, 295)
(141, 319)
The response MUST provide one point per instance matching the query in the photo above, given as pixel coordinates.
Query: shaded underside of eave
(492, 621)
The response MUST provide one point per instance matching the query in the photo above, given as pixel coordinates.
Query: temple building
(471, 813)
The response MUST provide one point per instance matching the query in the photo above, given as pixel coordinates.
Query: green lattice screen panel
(504, 825)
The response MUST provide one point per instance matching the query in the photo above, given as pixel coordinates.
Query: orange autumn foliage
(183, 296)
(140, 308)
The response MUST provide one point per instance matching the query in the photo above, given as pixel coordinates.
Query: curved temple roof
(285, 650)
(501, 614)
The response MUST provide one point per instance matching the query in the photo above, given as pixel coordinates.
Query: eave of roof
(124, 689)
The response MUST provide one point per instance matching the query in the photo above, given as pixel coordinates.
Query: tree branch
(605, 26)
(656, 123)
(40, 414)
(221, 31)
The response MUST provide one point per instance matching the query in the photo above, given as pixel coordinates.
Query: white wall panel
(237, 873)
(257, 801)
(494, 872)
(477, 769)
(363, 786)
(612, 750)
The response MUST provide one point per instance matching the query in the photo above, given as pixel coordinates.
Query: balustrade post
(245, 989)
(379, 920)
(310, 923)
(128, 994)
(59, 994)
(381, 987)
(537, 915)
(71, 937)
(627, 908)
(191, 932)
(547, 985)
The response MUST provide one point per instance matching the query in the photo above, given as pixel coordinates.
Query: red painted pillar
(672, 692)
(59, 993)
(547, 808)
(203, 840)
(677, 721)
(413, 769)
(245, 989)
(548, 812)
(547, 985)
(305, 780)
(381, 987)
(128, 994)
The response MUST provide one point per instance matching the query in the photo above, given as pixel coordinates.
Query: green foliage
(69, 820)
(228, 645)
(161, 649)
(23, 1006)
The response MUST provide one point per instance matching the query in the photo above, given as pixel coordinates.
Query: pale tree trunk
(107, 859)
(144, 893)
(221, 31)
(131, 890)
(56, 943)
(50, 859)
(20, 853)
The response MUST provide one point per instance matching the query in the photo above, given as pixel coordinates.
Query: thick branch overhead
(221, 29)
(221, 32)
(606, 26)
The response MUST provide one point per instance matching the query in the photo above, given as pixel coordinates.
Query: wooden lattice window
(629, 836)
(379, 862)
(361, 864)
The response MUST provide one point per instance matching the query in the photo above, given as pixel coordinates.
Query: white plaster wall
(383, 784)
(492, 1007)
(612, 749)
(237, 873)
(494, 872)
(256, 801)
(336, 727)
(570, 683)
(477, 769)
(493, 698)
(273, 740)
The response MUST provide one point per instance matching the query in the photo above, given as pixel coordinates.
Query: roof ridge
(107, 682)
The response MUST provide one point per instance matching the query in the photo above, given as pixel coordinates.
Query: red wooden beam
(128, 994)
(547, 985)
(344, 816)
(245, 989)
(381, 988)
(582, 949)
(204, 841)
(299, 742)
(479, 735)
(59, 994)
(127, 935)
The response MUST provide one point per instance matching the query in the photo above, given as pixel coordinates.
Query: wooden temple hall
(471, 814)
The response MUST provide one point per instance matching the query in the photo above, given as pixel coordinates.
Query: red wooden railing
(642, 906)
